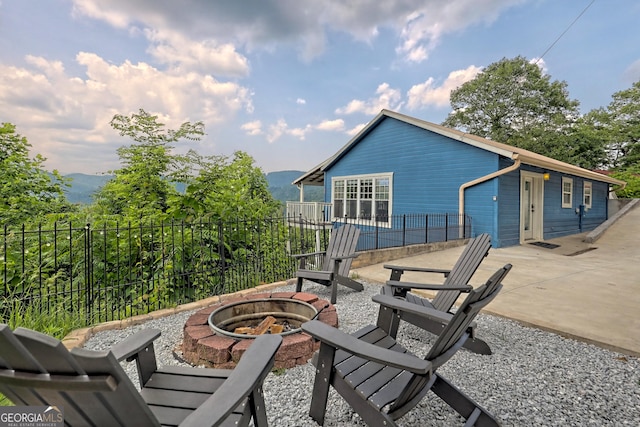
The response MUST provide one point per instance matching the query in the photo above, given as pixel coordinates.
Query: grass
(279, 371)
(53, 321)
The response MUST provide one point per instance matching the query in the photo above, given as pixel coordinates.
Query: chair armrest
(408, 307)
(131, 346)
(139, 347)
(340, 258)
(402, 269)
(339, 340)
(308, 254)
(246, 378)
(426, 286)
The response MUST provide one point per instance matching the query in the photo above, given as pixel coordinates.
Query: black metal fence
(110, 271)
(411, 229)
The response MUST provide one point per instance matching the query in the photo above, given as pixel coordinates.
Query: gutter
(482, 179)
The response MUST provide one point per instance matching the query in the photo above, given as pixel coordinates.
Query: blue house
(402, 165)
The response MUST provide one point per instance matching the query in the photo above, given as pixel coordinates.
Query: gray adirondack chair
(380, 379)
(92, 388)
(456, 282)
(336, 264)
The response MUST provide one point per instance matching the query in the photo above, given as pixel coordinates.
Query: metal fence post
(464, 226)
(221, 253)
(87, 269)
(377, 234)
(446, 227)
(426, 228)
(404, 230)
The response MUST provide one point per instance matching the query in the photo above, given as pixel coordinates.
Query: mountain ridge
(83, 186)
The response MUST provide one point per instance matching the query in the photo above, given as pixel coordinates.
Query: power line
(564, 32)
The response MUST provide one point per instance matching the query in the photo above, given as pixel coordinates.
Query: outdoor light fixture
(545, 176)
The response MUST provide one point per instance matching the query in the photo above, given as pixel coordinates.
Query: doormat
(545, 245)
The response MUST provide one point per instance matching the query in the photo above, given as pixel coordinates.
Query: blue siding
(479, 203)
(559, 221)
(508, 218)
(428, 170)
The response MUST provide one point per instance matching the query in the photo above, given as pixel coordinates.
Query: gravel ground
(533, 377)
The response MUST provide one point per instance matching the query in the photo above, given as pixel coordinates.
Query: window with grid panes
(362, 198)
(567, 192)
(586, 196)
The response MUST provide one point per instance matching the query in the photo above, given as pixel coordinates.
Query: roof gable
(316, 175)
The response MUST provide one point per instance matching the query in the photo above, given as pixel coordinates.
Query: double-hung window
(362, 197)
(586, 195)
(567, 192)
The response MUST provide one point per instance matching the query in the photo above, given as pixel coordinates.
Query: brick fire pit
(201, 346)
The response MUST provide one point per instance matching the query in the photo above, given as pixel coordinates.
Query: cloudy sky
(288, 81)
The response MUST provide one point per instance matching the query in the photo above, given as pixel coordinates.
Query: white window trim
(562, 192)
(383, 175)
(589, 185)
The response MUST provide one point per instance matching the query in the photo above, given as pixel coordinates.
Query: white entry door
(531, 206)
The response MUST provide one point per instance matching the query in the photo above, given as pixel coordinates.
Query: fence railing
(411, 229)
(319, 212)
(110, 271)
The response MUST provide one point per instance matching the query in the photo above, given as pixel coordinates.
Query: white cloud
(252, 128)
(387, 98)
(299, 133)
(632, 73)
(170, 47)
(301, 101)
(276, 130)
(425, 26)
(281, 128)
(96, 10)
(420, 24)
(428, 93)
(331, 125)
(65, 116)
(540, 63)
(353, 131)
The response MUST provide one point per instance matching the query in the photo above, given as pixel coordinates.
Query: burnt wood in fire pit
(203, 347)
(254, 314)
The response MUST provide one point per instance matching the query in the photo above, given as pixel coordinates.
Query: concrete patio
(585, 291)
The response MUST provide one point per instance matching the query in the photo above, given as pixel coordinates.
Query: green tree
(27, 191)
(622, 119)
(145, 183)
(585, 144)
(224, 188)
(632, 177)
(512, 101)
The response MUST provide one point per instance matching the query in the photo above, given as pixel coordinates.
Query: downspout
(480, 180)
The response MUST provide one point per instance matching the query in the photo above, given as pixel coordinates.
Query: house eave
(557, 166)
(316, 175)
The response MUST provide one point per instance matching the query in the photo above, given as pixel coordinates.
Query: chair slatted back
(450, 340)
(343, 242)
(468, 262)
(466, 313)
(90, 386)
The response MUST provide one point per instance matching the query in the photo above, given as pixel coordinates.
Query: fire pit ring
(239, 314)
(202, 346)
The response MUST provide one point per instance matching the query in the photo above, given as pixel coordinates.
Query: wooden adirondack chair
(456, 281)
(337, 262)
(92, 388)
(380, 379)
